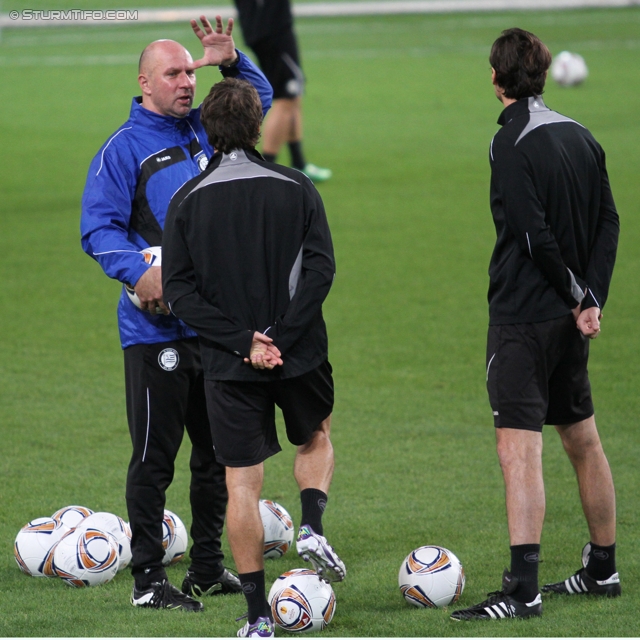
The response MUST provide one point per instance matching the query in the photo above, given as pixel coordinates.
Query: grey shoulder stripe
(236, 166)
(541, 115)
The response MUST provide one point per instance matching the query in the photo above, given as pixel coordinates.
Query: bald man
(127, 193)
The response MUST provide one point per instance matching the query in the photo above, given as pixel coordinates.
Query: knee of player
(518, 447)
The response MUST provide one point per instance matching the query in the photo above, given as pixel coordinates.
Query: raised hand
(218, 45)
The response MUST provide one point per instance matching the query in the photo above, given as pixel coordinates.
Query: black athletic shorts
(537, 374)
(280, 62)
(242, 414)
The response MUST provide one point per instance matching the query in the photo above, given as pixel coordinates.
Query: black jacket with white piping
(556, 222)
(247, 247)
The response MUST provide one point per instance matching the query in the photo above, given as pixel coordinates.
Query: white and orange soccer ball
(153, 257)
(34, 544)
(301, 602)
(117, 527)
(175, 539)
(86, 557)
(278, 529)
(72, 515)
(431, 576)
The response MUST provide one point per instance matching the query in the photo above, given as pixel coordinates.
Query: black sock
(269, 157)
(297, 157)
(254, 592)
(524, 566)
(602, 562)
(314, 503)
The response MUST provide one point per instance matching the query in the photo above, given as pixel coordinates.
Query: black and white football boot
(581, 583)
(163, 595)
(500, 604)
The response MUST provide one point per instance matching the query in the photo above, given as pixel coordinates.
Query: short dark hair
(231, 115)
(520, 60)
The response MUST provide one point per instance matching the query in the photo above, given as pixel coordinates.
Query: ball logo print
(169, 359)
(301, 602)
(293, 610)
(431, 576)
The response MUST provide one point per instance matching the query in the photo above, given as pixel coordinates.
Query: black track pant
(165, 394)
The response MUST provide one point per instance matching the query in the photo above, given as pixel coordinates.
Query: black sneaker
(500, 604)
(580, 583)
(163, 595)
(226, 583)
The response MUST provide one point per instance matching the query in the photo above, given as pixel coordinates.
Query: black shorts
(242, 414)
(280, 62)
(537, 374)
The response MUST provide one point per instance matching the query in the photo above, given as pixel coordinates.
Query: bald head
(167, 79)
(158, 50)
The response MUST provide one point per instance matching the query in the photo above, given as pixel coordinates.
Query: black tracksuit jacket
(247, 247)
(556, 221)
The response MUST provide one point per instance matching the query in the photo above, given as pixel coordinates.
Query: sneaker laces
(493, 598)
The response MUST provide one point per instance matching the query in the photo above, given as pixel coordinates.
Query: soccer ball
(569, 69)
(431, 576)
(300, 601)
(117, 527)
(278, 529)
(153, 257)
(71, 516)
(174, 538)
(86, 557)
(34, 545)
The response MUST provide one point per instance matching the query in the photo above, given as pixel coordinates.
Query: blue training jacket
(129, 186)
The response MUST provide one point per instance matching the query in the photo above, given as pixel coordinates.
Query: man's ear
(493, 76)
(143, 81)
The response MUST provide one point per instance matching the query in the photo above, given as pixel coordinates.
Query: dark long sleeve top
(556, 222)
(247, 247)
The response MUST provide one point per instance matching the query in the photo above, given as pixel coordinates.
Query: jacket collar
(524, 106)
(164, 124)
(218, 155)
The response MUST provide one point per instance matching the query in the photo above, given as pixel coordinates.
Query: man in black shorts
(557, 234)
(267, 28)
(247, 263)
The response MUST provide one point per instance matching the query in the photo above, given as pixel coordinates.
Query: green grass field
(402, 110)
